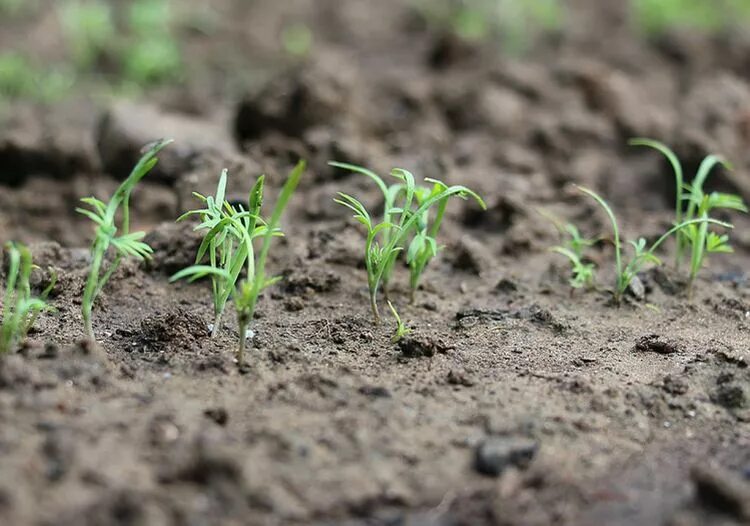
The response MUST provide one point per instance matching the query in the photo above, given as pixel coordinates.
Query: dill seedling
(642, 253)
(401, 329)
(20, 309)
(573, 246)
(702, 241)
(696, 239)
(404, 215)
(229, 244)
(110, 234)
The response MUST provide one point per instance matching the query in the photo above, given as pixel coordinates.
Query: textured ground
(577, 412)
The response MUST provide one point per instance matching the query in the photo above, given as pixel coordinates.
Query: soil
(513, 402)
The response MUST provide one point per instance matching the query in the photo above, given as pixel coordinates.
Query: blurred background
(518, 98)
(54, 49)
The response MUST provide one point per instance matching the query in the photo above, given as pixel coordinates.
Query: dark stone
(218, 415)
(674, 385)
(657, 344)
(730, 396)
(495, 454)
(722, 490)
(375, 391)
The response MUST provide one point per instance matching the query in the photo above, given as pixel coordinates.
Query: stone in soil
(495, 454)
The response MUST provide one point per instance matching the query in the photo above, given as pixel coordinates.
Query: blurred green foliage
(516, 24)
(120, 47)
(657, 16)
(297, 39)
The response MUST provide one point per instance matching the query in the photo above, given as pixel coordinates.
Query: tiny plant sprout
(696, 239)
(111, 234)
(20, 309)
(401, 329)
(702, 241)
(405, 216)
(573, 246)
(229, 245)
(583, 274)
(643, 254)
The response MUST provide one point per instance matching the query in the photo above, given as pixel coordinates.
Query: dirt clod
(495, 454)
(658, 344)
(722, 490)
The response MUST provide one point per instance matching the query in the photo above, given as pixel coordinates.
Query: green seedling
(701, 240)
(642, 253)
(573, 246)
(390, 217)
(583, 274)
(697, 239)
(229, 246)
(401, 329)
(404, 215)
(110, 234)
(20, 309)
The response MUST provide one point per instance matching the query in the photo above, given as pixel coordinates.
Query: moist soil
(513, 401)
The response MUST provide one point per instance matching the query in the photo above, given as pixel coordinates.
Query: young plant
(573, 246)
(401, 329)
(583, 274)
(642, 254)
(701, 240)
(697, 239)
(20, 309)
(111, 234)
(229, 245)
(423, 246)
(402, 215)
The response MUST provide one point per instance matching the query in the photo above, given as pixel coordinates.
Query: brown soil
(513, 402)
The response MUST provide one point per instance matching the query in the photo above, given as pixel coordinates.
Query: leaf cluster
(20, 309)
(408, 225)
(227, 248)
(114, 234)
(697, 240)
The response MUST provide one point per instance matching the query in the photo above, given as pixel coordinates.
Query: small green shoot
(111, 234)
(642, 253)
(696, 238)
(583, 275)
(404, 215)
(20, 309)
(573, 246)
(701, 240)
(401, 329)
(229, 245)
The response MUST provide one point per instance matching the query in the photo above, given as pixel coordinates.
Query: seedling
(583, 274)
(404, 215)
(228, 243)
(20, 309)
(701, 240)
(110, 234)
(573, 246)
(390, 215)
(401, 329)
(643, 254)
(423, 246)
(696, 238)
